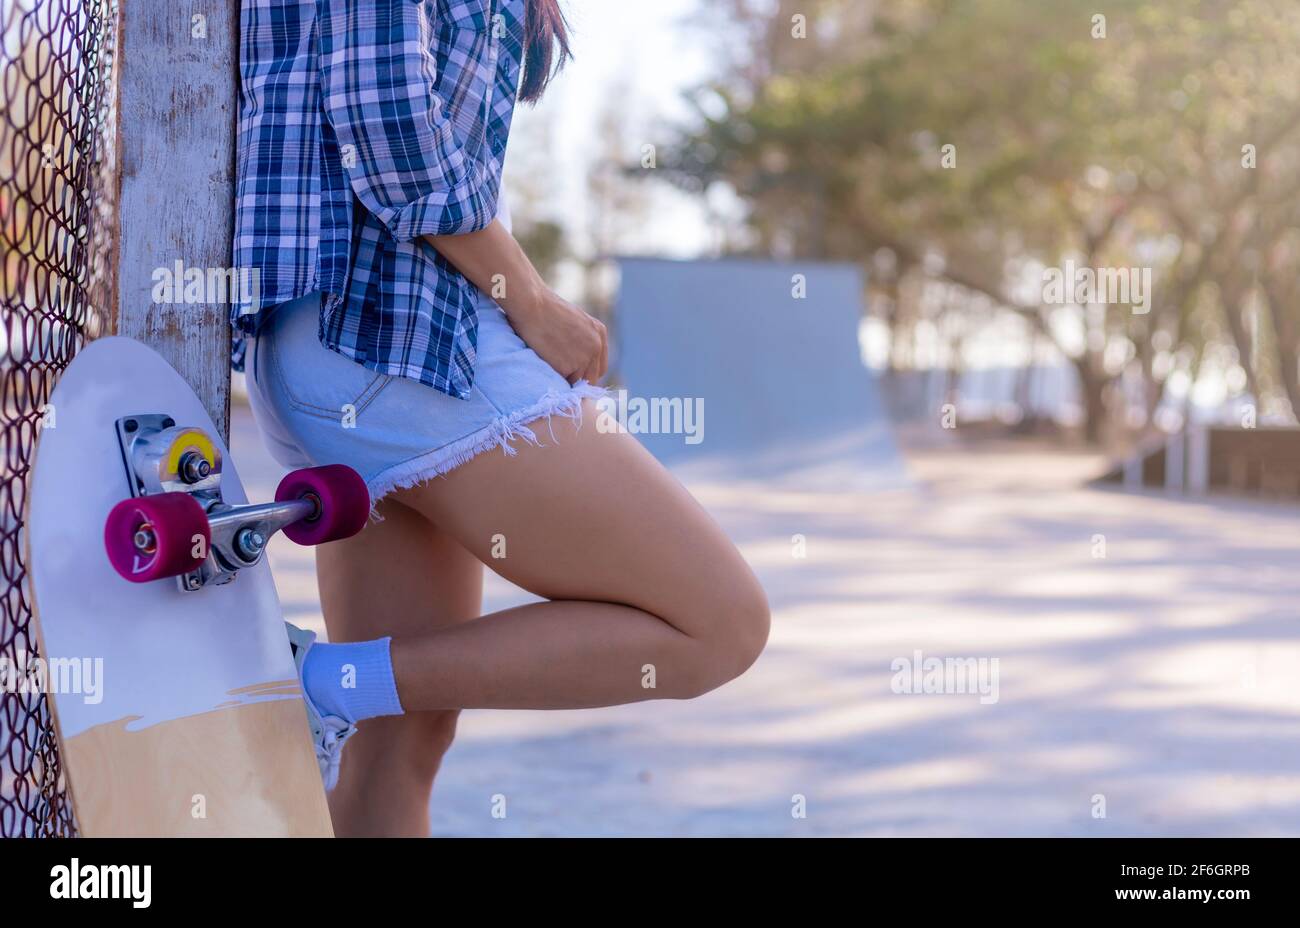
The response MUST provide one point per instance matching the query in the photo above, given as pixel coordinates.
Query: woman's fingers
(604, 353)
(574, 343)
(600, 357)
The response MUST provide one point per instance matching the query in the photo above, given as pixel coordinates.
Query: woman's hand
(564, 336)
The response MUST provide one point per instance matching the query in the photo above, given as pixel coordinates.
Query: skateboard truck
(177, 523)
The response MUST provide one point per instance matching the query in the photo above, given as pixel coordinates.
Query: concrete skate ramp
(780, 381)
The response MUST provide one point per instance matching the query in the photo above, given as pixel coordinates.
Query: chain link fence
(57, 270)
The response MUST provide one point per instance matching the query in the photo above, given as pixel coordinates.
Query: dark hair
(546, 47)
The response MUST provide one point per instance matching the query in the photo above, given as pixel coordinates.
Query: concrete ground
(1146, 672)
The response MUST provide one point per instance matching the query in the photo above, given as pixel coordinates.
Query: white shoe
(328, 732)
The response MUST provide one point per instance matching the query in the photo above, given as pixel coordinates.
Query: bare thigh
(592, 516)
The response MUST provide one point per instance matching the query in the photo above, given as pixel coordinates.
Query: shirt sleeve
(398, 144)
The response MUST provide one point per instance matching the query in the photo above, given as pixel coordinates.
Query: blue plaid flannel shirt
(364, 125)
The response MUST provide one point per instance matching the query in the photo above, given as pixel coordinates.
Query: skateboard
(172, 683)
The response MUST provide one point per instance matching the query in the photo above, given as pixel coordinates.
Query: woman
(400, 330)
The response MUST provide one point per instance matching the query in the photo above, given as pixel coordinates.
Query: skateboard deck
(179, 712)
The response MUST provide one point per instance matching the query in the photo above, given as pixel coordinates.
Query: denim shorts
(314, 406)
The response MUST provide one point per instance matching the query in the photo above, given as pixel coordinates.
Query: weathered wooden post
(177, 92)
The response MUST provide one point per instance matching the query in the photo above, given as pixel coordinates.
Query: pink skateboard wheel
(341, 498)
(153, 537)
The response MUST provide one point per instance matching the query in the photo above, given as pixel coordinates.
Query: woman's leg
(648, 597)
(398, 577)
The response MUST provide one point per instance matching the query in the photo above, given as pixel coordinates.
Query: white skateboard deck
(184, 714)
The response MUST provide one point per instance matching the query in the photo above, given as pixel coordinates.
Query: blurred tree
(617, 202)
(976, 143)
(531, 180)
(545, 243)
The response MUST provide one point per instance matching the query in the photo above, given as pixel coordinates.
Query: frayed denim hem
(566, 404)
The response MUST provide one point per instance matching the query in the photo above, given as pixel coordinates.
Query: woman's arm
(381, 99)
(564, 336)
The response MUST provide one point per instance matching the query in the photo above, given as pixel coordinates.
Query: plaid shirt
(364, 125)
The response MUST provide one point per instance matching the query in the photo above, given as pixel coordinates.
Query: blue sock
(353, 681)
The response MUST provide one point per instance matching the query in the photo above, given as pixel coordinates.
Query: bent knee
(740, 634)
(435, 731)
(752, 622)
(419, 739)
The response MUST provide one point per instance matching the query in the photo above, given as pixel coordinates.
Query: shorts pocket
(313, 379)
